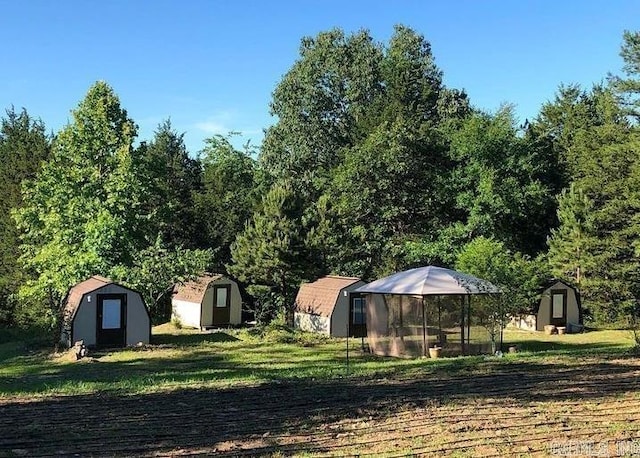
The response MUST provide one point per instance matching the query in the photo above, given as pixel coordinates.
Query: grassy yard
(235, 393)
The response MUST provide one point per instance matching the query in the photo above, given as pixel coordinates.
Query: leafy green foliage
(628, 87)
(501, 183)
(519, 278)
(81, 215)
(155, 271)
(229, 195)
(91, 211)
(171, 178)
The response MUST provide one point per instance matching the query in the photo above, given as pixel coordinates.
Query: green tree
(80, 216)
(155, 271)
(272, 251)
(571, 244)
(381, 197)
(229, 195)
(502, 182)
(24, 145)
(628, 87)
(318, 104)
(171, 177)
(519, 278)
(87, 211)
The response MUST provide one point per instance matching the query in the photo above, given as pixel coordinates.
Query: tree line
(374, 165)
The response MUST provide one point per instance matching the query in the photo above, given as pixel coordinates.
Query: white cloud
(218, 123)
(213, 127)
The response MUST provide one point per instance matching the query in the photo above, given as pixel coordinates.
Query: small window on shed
(558, 306)
(111, 318)
(221, 296)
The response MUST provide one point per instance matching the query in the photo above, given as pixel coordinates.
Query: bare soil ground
(526, 409)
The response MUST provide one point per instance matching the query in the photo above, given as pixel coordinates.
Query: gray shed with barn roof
(104, 314)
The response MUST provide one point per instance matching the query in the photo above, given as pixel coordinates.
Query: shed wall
(187, 312)
(312, 323)
(138, 324)
(340, 315)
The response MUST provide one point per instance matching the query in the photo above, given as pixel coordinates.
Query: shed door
(558, 307)
(357, 316)
(221, 304)
(111, 326)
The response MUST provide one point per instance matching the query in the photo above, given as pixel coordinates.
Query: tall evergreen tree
(24, 146)
(172, 178)
(628, 86)
(272, 251)
(571, 244)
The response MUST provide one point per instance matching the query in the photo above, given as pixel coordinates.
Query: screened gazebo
(412, 311)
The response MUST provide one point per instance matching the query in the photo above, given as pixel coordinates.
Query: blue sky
(211, 65)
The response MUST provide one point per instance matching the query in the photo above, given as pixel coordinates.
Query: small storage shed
(104, 314)
(212, 300)
(559, 305)
(330, 306)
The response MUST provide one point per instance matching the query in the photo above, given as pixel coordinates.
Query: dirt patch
(522, 408)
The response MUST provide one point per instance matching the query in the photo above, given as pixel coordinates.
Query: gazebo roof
(429, 281)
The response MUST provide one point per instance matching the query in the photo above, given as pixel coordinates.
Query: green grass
(185, 358)
(605, 342)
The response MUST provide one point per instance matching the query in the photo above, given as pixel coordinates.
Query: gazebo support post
(462, 314)
(439, 299)
(469, 322)
(424, 326)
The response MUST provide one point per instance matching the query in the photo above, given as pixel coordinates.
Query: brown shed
(329, 306)
(104, 314)
(212, 300)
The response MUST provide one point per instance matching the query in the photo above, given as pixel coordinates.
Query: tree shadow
(192, 338)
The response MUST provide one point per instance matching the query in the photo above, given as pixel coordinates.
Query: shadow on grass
(193, 338)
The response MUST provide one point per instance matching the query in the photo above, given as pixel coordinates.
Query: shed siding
(207, 307)
(340, 315)
(187, 312)
(312, 323)
(85, 322)
(138, 325)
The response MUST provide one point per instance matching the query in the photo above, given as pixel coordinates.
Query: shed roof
(74, 297)
(320, 296)
(194, 291)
